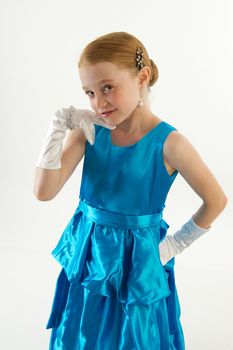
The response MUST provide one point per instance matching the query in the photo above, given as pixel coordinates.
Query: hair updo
(118, 48)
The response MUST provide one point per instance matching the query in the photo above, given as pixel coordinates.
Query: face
(110, 88)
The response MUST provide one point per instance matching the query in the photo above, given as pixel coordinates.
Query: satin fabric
(113, 293)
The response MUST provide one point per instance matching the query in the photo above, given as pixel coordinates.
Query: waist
(119, 220)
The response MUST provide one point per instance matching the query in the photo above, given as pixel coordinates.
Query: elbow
(222, 201)
(42, 196)
(43, 199)
(222, 204)
(218, 203)
(45, 184)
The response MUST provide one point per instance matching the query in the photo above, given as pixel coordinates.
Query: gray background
(191, 43)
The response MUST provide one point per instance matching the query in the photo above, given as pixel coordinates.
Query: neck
(139, 121)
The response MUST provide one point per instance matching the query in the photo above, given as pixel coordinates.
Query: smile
(107, 113)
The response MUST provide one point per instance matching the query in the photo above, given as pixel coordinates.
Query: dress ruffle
(109, 260)
(109, 270)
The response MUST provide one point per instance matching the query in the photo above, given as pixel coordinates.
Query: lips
(107, 113)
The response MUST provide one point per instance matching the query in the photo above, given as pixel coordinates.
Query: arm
(181, 155)
(48, 182)
(56, 162)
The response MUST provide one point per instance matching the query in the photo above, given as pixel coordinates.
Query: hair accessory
(139, 57)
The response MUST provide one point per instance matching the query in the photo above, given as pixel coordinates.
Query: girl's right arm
(56, 162)
(48, 182)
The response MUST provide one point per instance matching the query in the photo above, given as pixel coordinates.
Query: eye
(106, 86)
(87, 93)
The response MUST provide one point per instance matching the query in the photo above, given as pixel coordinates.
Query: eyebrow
(100, 82)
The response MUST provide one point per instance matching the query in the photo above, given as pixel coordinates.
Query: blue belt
(119, 220)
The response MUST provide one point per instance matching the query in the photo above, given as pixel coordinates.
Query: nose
(100, 103)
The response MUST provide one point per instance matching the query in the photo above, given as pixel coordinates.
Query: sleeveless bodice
(131, 180)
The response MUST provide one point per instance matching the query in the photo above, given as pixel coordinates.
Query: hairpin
(139, 57)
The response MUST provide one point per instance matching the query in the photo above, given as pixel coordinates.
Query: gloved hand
(174, 244)
(63, 119)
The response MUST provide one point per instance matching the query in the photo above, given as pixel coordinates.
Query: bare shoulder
(177, 148)
(181, 154)
(174, 139)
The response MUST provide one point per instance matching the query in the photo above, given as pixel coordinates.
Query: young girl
(116, 289)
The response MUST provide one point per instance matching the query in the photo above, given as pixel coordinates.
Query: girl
(116, 289)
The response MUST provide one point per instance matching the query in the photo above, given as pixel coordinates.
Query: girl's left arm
(182, 155)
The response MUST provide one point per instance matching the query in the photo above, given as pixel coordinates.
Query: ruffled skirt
(113, 293)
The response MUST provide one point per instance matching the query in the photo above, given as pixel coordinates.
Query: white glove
(63, 119)
(174, 244)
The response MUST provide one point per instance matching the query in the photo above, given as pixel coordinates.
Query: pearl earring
(140, 103)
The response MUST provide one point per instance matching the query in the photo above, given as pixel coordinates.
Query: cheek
(128, 100)
(122, 99)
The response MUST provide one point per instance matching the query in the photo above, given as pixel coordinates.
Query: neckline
(138, 142)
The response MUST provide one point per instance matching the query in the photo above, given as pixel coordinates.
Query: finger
(89, 130)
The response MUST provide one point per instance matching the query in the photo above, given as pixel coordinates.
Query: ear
(144, 76)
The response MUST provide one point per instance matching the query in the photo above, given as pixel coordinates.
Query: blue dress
(113, 293)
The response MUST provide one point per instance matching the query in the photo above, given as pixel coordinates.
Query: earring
(140, 103)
